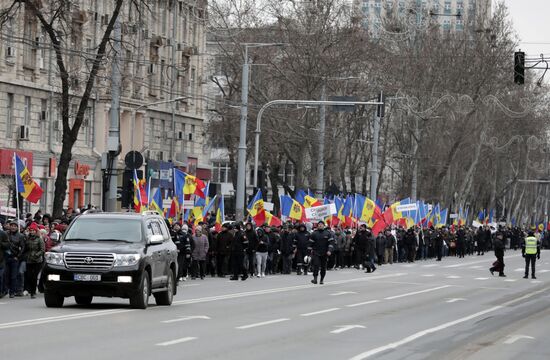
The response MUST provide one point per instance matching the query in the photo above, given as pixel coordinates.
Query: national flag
(481, 216)
(206, 200)
(442, 220)
(256, 208)
(208, 207)
(392, 215)
(188, 184)
(26, 186)
(366, 209)
(492, 216)
(346, 214)
(174, 211)
(307, 200)
(272, 220)
(156, 202)
(291, 208)
(137, 193)
(338, 204)
(220, 215)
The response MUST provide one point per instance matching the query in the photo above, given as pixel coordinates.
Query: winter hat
(33, 226)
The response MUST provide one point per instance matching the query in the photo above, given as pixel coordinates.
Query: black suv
(126, 255)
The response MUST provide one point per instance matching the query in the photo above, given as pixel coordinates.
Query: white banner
(188, 204)
(407, 207)
(268, 206)
(320, 212)
(8, 211)
(453, 216)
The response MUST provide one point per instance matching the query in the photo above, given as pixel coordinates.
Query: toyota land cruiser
(126, 255)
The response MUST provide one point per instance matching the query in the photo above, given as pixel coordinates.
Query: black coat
(183, 242)
(287, 242)
(252, 240)
(239, 244)
(361, 239)
(223, 244)
(301, 241)
(321, 242)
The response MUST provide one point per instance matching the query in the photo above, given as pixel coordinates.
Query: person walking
(498, 265)
(370, 253)
(200, 250)
(320, 247)
(14, 257)
(460, 242)
(34, 257)
(380, 248)
(287, 242)
(360, 241)
(238, 246)
(409, 242)
(181, 239)
(530, 250)
(301, 243)
(222, 249)
(261, 253)
(252, 245)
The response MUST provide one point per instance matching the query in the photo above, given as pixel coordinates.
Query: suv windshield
(102, 229)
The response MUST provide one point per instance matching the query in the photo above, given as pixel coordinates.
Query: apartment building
(162, 59)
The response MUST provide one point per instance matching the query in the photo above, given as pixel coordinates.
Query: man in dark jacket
(380, 247)
(223, 244)
(370, 252)
(14, 256)
(320, 247)
(239, 245)
(499, 254)
(287, 241)
(409, 242)
(181, 239)
(390, 243)
(252, 245)
(273, 250)
(360, 246)
(301, 243)
(460, 242)
(4, 247)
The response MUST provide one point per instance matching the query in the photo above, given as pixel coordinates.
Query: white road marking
(177, 341)
(413, 337)
(429, 265)
(363, 303)
(476, 262)
(510, 280)
(417, 292)
(482, 278)
(340, 293)
(47, 320)
(476, 267)
(261, 324)
(186, 318)
(278, 290)
(453, 277)
(513, 338)
(189, 285)
(455, 300)
(428, 275)
(519, 269)
(535, 281)
(345, 328)
(320, 312)
(543, 271)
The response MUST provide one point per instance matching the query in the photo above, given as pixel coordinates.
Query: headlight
(54, 258)
(126, 259)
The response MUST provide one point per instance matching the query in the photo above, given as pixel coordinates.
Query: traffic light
(519, 67)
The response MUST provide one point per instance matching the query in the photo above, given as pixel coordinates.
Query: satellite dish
(133, 160)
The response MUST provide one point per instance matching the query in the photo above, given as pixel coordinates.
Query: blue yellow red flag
(26, 186)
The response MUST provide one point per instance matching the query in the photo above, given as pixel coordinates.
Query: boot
(233, 278)
(299, 270)
(322, 281)
(314, 281)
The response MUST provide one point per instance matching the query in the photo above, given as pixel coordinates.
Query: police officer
(530, 250)
(320, 246)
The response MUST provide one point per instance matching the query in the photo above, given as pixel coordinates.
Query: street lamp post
(241, 161)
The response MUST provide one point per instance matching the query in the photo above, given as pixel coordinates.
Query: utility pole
(321, 150)
(113, 142)
(378, 114)
(241, 162)
(414, 181)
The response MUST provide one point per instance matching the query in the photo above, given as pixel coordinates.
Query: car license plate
(87, 277)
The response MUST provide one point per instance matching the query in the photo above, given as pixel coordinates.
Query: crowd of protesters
(243, 250)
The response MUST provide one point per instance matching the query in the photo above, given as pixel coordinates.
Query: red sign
(52, 167)
(6, 161)
(81, 169)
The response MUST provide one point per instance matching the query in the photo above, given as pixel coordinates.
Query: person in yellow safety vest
(530, 250)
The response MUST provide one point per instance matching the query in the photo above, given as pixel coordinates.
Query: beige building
(473, 13)
(162, 57)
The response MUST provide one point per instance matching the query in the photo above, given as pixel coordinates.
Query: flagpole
(16, 190)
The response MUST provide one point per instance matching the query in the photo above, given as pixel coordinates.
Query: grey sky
(531, 20)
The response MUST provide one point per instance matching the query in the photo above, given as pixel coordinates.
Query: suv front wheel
(141, 299)
(165, 297)
(53, 300)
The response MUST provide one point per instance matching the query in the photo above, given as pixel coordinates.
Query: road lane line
(429, 265)
(428, 275)
(345, 328)
(261, 324)
(340, 293)
(543, 271)
(417, 292)
(513, 338)
(363, 303)
(47, 320)
(186, 318)
(453, 277)
(476, 262)
(177, 341)
(482, 278)
(510, 280)
(455, 300)
(415, 336)
(320, 312)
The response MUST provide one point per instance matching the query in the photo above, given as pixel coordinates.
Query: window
(459, 5)
(459, 24)
(221, 172)
(29, 46)
(447, 7)
(446, 24)
(9, 117)
(10, 49)
(27, 115)
(43, 116)
(286, 173)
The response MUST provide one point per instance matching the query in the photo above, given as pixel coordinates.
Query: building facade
(162, 60)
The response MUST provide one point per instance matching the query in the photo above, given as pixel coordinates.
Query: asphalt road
(452, 309)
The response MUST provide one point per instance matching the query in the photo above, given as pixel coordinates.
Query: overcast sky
(531, 20)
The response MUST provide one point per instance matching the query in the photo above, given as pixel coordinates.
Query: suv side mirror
(156, 239)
